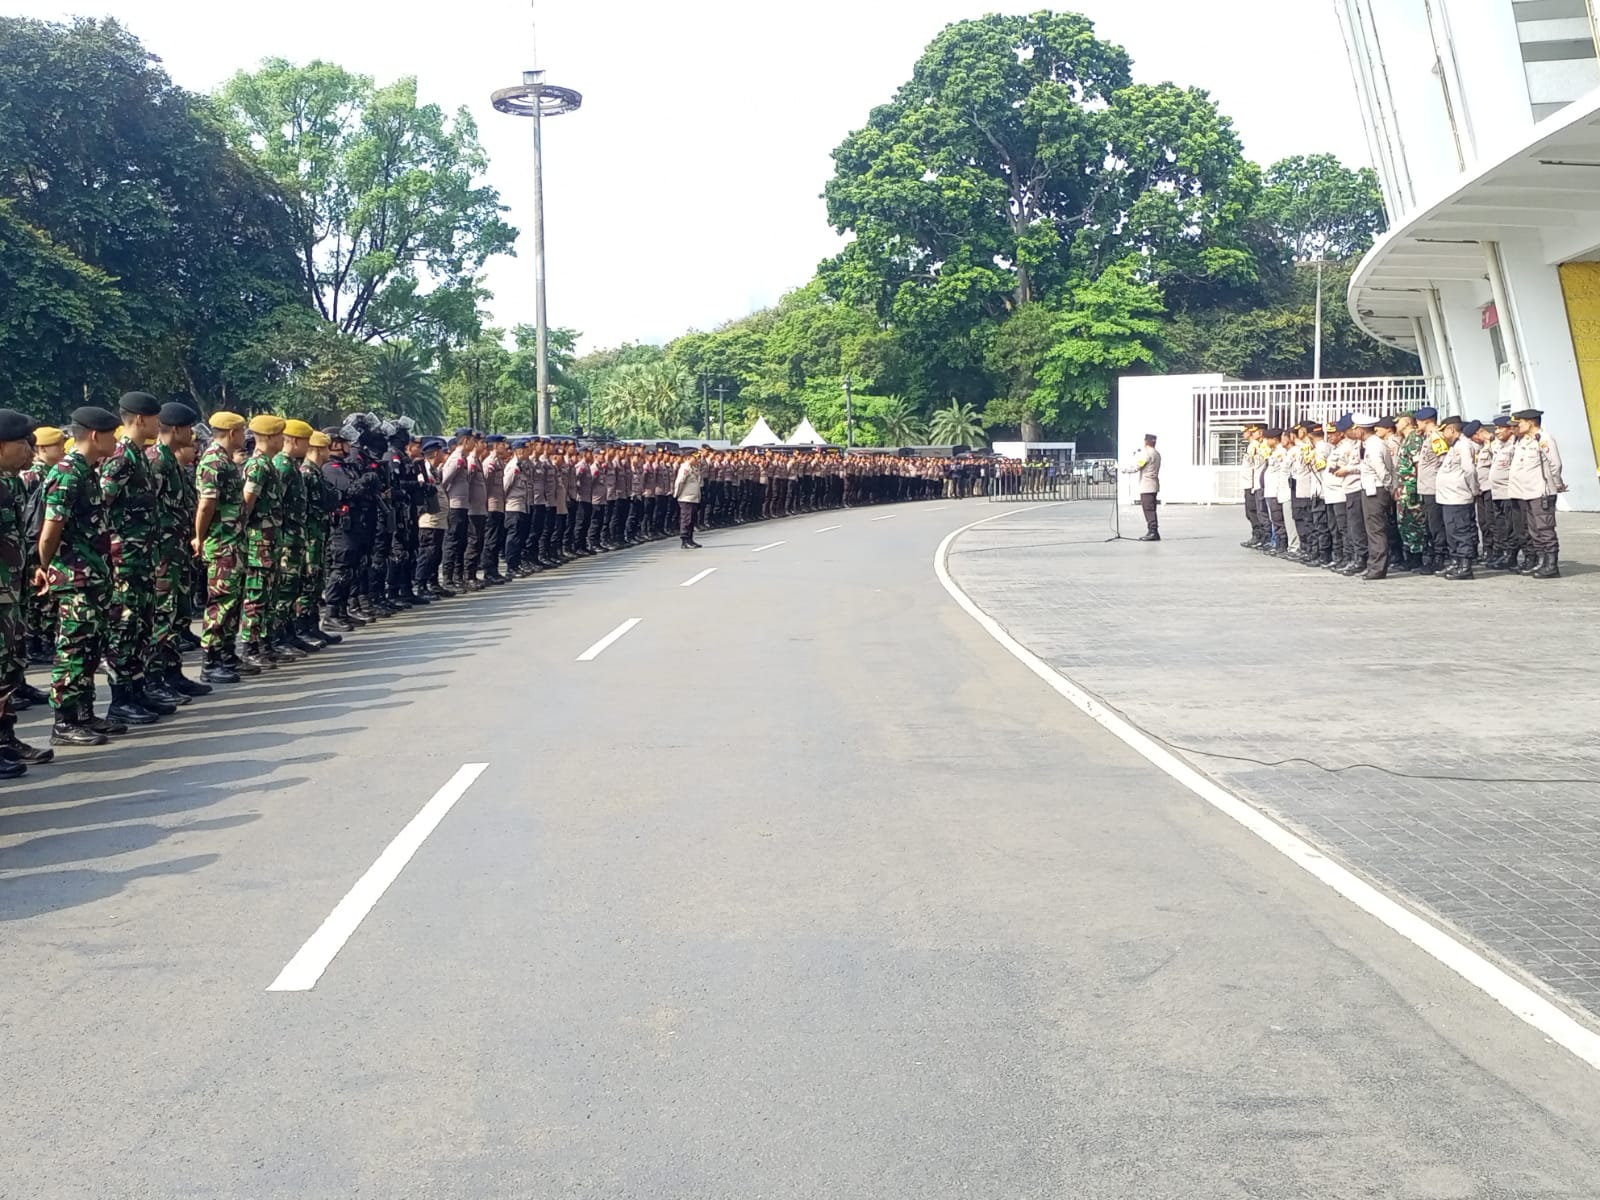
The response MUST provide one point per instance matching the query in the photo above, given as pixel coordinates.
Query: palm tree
(901, 425)
(401, 388)
(958, 425)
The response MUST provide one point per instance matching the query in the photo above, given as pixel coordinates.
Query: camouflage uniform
(15, 582)
(191, 581)
(39, 611)
(319, 503)
(291, 545)
(174, 523)
(260, 549)
(1408, 509)
(218, 479)
(128, 496)
(79, 576)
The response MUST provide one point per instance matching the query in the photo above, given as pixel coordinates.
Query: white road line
(890, 517)
(1501, 987)
(600, 647)
(697, 578)
(827, 529)
(312, 959)
(941, 508)
(768, 546)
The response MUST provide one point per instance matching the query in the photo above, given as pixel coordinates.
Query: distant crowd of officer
(119, 531)
(1368, 495)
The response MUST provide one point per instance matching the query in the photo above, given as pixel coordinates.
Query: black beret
(1528, 414)
(1385, 423)
(140, 404)
(1456, 421)
(15, 426)
(95, 419)
(1471, 428)
(178, 415)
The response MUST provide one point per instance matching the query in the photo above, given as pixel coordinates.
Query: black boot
(11, 769)
(234, 662)
(12, 749)
(332, 618)
(152, 693)
(187, 640)
(290, 636)
(70, 731)
(254, 661)
(40, 652)
(312, 630)
(216, 669)
(1548, 567)
(104, 725)
(125, 708)
(29, 694)
(177, 681)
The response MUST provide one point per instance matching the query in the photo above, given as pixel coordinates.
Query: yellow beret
(297, 429)
(69, 444)
(225, 421)
(48, 435)
(265, 424)
(319, 439)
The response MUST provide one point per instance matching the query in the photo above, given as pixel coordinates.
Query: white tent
(761, 435)
(805, 434)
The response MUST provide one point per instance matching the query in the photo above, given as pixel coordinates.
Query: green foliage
(390, 226)
(402, 387)
(155, 247)
(1111, 327)
(298, 365)
(1320, 209)
(957, 425)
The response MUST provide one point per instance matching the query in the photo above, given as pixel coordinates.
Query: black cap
(140, 404)
(1272, 433)
(178, 415)
(1528, 414)
(15, 426)
(1384, 423)
(1456, 421)
(95, 419)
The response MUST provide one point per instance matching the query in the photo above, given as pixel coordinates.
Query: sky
(686, 191)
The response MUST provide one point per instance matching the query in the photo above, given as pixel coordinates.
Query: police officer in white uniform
(1146, 465)
(1535, 482)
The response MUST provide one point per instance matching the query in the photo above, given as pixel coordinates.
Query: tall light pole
(537, 99)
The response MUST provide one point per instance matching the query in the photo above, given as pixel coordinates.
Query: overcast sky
(685, 192)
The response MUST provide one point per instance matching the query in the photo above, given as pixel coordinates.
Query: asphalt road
(800, 888)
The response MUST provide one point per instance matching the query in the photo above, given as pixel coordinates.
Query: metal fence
(1089, 479)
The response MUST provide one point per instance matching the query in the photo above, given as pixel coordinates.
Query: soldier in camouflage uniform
(219, 543)
(128, 495)
(174, 523)
(16, 452)
(40, 610)
(320, 502)
(291, 546)
(74, 557)
(263, 495)
(1412, 523)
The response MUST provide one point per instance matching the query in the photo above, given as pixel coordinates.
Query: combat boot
(291, 638)
(28, 694)
(67, 732)
(187, 640)
(312, 631)
(150, 693)
(332, 618)
(230, 659)
(103, 725)
(40, 651)
(216, 670)
(254, 661)
(13, 749)
(1548, 567)
(125, 708)
(10, 769)
(177, 681)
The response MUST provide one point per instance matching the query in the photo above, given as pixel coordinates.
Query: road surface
(799, 886)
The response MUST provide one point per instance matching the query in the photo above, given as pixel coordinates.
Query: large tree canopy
(139, 248)
(391, 226)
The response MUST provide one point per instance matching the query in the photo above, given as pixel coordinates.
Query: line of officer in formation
(1369, 494)
(117, 532)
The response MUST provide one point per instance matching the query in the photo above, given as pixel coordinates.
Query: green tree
(390, 220)
(957, 425)
(1321, 209)
(187, 242)
(403, 387)
(1110, 328)
(898, 421)
(297, 365)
